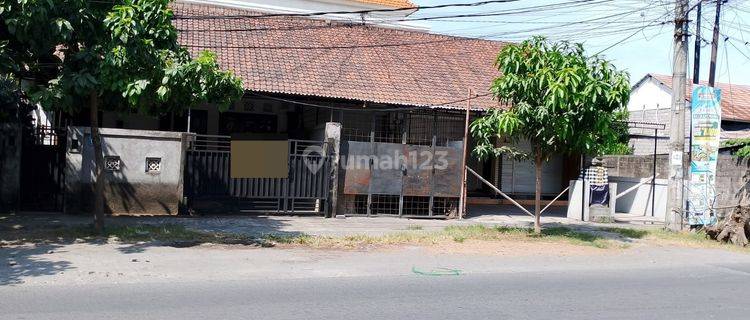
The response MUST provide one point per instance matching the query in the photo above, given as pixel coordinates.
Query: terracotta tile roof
(390, 3)
(735, 98)
(304, 56)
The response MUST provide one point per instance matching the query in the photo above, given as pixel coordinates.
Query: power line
(320, 13)
(350, 24)
(556, 6)
(738, 49)
(575, 3)
(399, 44)
(359, 24)
(630, 36)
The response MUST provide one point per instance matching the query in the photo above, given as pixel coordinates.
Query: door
(42, 169)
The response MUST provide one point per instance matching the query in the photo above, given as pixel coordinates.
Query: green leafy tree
(114, 55)
(560, 101)
(740, 146)
(13, 108)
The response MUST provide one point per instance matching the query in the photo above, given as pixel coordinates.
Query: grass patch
(576, 237)
(628, 233)
(696, 239)
(457, 234)
(690, 239)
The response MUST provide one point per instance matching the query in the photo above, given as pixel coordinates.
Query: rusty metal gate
(427, 146)
(399, 179)
(209, 187)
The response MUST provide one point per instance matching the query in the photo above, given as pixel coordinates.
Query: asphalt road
(697, 293)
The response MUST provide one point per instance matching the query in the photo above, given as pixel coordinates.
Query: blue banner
(706, 130)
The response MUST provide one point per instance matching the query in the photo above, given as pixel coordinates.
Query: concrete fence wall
(144, 174)
(638, 201)
(731, 177)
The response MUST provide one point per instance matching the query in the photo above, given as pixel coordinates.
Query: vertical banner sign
(706, 127)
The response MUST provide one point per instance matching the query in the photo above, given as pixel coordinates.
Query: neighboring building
(651, 101)
(390, 87)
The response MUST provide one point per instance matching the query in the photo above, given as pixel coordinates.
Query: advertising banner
(706, 128)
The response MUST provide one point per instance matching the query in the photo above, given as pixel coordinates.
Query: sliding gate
(209, 187)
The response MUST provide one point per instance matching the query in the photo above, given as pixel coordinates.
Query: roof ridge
(219, 6)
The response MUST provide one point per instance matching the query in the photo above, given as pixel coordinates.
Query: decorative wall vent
(153, 165)
(75, 145)
(112, 163)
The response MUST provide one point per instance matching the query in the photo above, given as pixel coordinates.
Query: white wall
(650, 95)
(638, 201)
(650, 101)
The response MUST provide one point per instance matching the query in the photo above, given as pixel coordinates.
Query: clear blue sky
(602, 23)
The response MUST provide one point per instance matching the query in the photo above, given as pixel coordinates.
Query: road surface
(695, 292)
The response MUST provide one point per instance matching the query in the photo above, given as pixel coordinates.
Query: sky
(613, 27)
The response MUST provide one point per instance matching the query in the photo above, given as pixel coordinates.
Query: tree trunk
(96, 140)
(735, 228)
(538, 192)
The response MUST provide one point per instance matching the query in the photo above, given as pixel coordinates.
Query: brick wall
(642, 140)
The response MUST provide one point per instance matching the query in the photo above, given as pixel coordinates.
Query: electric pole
(697, 49)
(696, 81)
(677, 121)
(714, 46)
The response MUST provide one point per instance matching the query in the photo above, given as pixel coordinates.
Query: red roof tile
(735, 98)
(304, 56)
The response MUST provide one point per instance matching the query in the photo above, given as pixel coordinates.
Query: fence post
(333, 141)
(184, 206)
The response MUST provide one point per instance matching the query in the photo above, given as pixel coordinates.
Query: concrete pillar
(578, 196)
(187, 140)
(333, 141)
(612, 200)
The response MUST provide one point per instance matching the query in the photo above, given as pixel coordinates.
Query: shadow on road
(27, 240)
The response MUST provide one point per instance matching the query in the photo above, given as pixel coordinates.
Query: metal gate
(43, 169)
(306, 189)
(399, 179)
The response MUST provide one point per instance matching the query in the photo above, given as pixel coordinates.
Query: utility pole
(714, 46)
(696, 81)
(677, 121)
(697, 49)
(464, 183)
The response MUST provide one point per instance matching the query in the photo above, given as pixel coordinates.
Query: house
(651, 101)
(384, 88)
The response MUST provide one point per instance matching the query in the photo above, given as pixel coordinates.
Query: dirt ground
(516, 248)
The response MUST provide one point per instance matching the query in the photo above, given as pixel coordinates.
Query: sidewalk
(314, 225)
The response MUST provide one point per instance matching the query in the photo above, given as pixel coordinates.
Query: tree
(118, 55)
(560, 100)
(13, 107)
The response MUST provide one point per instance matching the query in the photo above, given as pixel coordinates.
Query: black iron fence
(305, 190)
